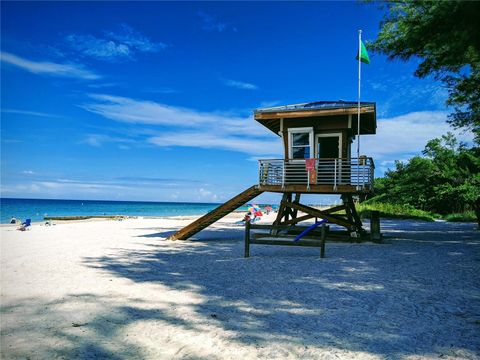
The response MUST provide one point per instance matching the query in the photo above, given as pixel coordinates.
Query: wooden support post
(247, 239)
(281, 210)
(288, 211)
(306, 217)
(356, 218)
(297, 220)
(375, 234)
(321, 214)
(285, 211)
(296, 201)
(347, 208)
(322, 239)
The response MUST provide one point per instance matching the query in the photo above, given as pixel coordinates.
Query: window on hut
(301, 145)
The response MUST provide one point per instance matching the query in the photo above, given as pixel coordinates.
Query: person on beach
(247, 217)
(13, 220)
(25, 225)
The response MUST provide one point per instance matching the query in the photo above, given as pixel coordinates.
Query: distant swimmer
(13, 220)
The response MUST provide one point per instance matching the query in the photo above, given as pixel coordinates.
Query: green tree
(456, 178)
(408, 184)
(445, 180)
(445, 36)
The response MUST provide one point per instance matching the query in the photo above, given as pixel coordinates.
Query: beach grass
(466, 216)
(400, 211)
(394, 211)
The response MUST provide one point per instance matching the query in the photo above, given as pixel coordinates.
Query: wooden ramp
(216, 214)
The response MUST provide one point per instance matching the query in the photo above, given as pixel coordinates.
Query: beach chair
(25, 225)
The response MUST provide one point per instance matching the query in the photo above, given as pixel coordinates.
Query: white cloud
(213, 140)
(397, 138)
(74, 186)
(241, 85)
(403, 136)
(123, 44)
(266, 104)
(102, 85)
(188, 127)
(211, 24)
(29, 113)
(97, 140)
(149, 189)
(135, 40)
(98, 48)
(135, 111)
(19, 190)
(406, 91)
(146, 112)
(207, 195)
(49, 68)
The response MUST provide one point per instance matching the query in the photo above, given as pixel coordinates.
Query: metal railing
(354, 172)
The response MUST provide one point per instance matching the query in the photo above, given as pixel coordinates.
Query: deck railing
(356, 172)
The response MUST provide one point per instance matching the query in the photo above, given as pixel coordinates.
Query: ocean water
(36, 209)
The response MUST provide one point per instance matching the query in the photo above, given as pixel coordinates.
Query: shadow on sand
(418, 294)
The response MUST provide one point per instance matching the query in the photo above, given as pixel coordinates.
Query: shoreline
(118, 218)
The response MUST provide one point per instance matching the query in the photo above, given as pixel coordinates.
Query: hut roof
(270, 117)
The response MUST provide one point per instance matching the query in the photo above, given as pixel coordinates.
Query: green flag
(363, 54)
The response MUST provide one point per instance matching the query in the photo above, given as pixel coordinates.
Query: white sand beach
(119, 290)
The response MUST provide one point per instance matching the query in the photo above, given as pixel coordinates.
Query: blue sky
(153, 101)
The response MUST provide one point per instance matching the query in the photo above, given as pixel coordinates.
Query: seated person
(25, 225)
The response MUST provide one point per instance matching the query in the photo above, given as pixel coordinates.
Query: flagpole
(358, 104)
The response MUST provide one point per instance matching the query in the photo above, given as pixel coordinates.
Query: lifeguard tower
(317, 140)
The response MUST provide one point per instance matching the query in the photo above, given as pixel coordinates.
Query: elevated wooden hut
(317, 140)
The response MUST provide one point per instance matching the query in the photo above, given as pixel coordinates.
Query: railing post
(339, 166)
(247, 238)
(260, 172)
(308, 176)
(363, 172)
(283, 174)
(335, 175)
(358, 174)
(372, 173)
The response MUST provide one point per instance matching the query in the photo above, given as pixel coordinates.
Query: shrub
(394, 211)
(467, 216)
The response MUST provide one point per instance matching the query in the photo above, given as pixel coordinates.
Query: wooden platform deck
(316, 189)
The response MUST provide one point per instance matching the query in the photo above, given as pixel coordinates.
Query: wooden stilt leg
(288, 211)
(356, 218)
(281, 213)
(347, 209)
(281, 210)
(296, 201)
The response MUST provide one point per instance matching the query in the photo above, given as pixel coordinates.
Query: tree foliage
(445, 180)
(445, 36)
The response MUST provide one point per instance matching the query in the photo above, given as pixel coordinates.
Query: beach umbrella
(253, 207)
(256, 210)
